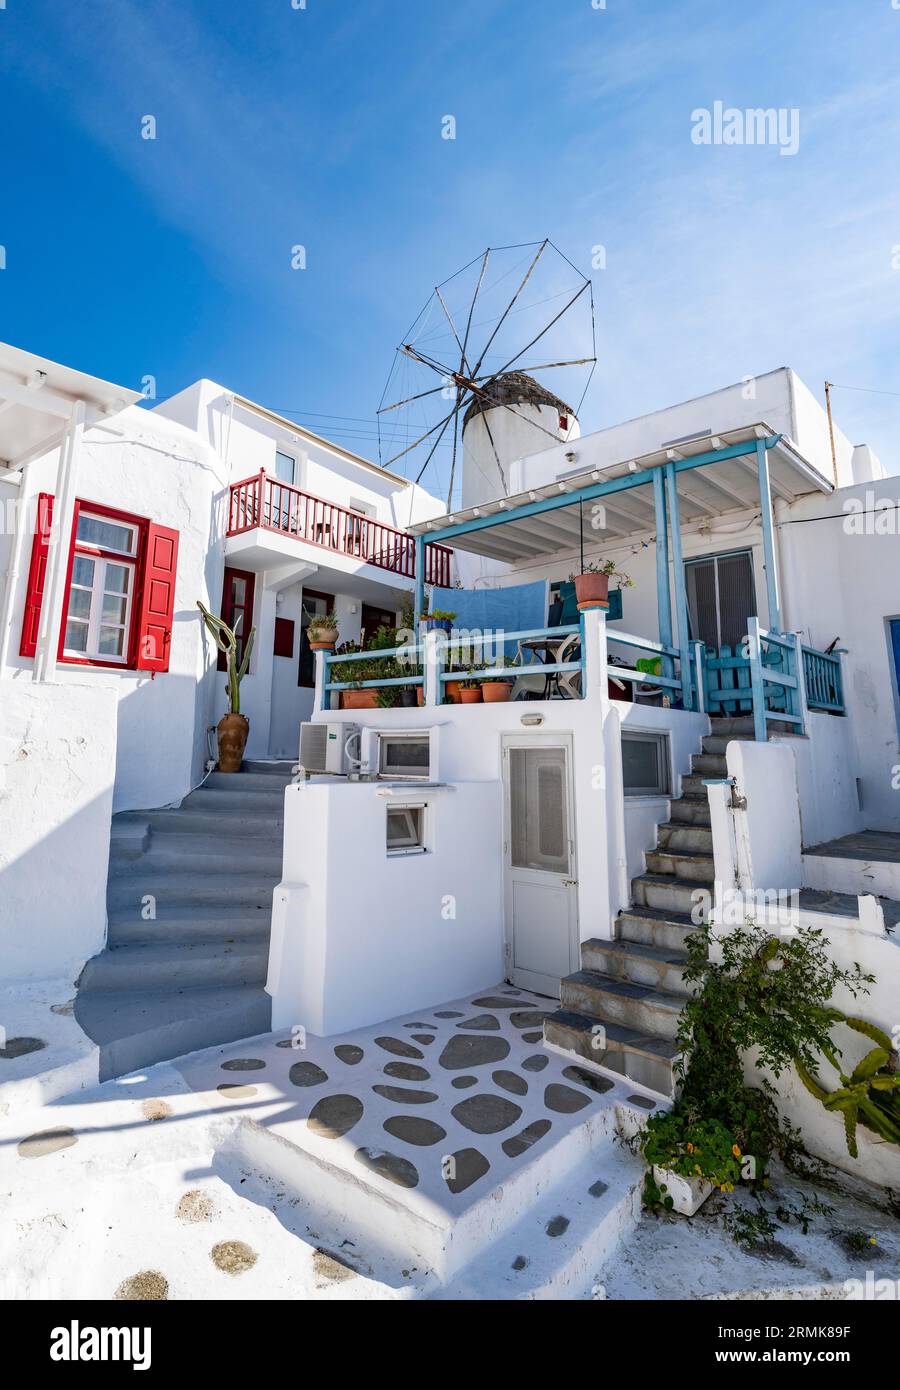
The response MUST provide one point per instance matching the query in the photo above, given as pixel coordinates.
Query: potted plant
(497, 689)
(233, 728)
(592, 585)
(439, 618)
(469, 687)
(688, 1158)
(322, 632)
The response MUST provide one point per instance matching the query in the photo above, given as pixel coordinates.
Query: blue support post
(663, 595)
(681, 609)
(420, 583)
(757, 684)
(768, 530)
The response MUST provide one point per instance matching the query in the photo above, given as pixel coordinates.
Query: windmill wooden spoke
(484, 263)
(555, 319)
(547, 366)
(433, 449)
(422, 437)
(453, 458)
(463, 362)
(527, 276)
(385, 409)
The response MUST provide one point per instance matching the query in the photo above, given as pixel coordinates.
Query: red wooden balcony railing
(275, 506)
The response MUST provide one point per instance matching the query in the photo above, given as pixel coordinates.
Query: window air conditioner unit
(323, 747)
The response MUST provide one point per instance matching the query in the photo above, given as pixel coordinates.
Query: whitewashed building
(734, 711)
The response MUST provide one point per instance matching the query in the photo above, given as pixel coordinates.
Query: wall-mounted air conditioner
(323, 747)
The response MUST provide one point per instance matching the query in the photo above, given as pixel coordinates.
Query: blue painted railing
(824, 681)
(413, 654)
(774, 677)
(470, 643)
(666, 680)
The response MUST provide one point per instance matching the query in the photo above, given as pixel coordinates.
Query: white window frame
(102, 557)
(383, 737)
(417, 840)
(661, 739)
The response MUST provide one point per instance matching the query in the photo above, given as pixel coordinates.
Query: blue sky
(322, 127)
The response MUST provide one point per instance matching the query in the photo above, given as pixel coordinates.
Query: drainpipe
(58, 549)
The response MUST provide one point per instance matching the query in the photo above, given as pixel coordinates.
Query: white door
(539, 849)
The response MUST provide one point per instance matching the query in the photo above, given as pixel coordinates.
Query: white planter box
(688, 1194)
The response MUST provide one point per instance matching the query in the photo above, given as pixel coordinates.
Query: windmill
(466, 381)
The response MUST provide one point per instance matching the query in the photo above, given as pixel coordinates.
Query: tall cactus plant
(226, 639)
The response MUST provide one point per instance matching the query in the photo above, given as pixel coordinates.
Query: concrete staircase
(621, 1009)
(189, 904)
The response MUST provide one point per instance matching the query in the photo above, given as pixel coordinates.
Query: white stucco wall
(160, 471)
(358, 935)
(57, 766)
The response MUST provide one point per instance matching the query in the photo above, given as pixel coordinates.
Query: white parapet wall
(57, 770)
(756, 823)
(360, 935)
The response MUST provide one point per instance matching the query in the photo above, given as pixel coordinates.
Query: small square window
(645, 764)
(405, 829)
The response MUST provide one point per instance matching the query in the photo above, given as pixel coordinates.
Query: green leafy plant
(325, 624)
(440, 615)
(226, 639)
(682, 1143)
(607, 567)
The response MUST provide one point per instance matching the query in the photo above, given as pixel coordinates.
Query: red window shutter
(37, 574)
(154, 634)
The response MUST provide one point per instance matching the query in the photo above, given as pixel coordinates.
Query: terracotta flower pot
(496, 692)
(469, 696)
(592, 590)
(358, 699)
(232, 731)
(453, 689)
(323, 644)
(420, 695)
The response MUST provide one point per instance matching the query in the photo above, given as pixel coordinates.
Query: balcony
(266, 503)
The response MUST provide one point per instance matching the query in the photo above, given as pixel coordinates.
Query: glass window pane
(238, 592)
(113, 609)
(645, 764)
(76, 636)
(108, 535)
(284, 467)
(538, 809)
(83, 571)
(112, 640)
(117, 579)
(80, 603)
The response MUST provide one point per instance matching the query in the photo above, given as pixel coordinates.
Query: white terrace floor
(446, 1154)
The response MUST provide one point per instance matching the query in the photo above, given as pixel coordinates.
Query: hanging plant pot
(470, 696)
(358, 699)
(496, 692)
(232, 731)
(592, 590)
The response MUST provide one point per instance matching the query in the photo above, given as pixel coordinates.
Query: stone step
(682, 864)
(191, 819)
(675, 836)
(177, 965)
(709, 764)
(424, 1230)
(244, 783)
(717, 743)
(176, 853)
(649, 1011)
(692, 787)
(734, 725)
(648, 926)
(673, 896)
(690, 810)
(600, 1205)
(191, 925)
(643, 1058)
(250, 890)
(135, 1028)
(256, 801)
(652, 966)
